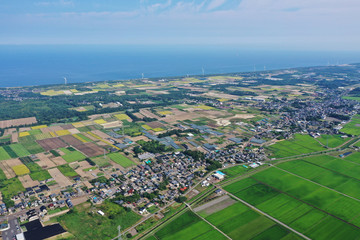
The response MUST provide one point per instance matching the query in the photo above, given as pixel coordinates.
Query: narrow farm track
(316, 183)
(208, 222)
(267, 215)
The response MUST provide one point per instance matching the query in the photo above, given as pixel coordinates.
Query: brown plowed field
(71, 140)
(90, 149)
(51, 143)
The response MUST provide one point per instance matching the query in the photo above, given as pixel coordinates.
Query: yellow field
(204, 107)
(223, 99)
(78, 124)
(165, 112)
(157, 129)
(146, 127)
(74, 90)
(23, 134)
(118, 85)
(100, 121)
(62, 132)
(122, 116)
(52, 93)
(39, 127)
(52, 134)
(20, 169)
(102, 86)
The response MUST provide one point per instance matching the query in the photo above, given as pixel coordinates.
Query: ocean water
(30, 65)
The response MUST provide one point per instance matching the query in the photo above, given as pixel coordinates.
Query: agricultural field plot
(355, 157)
(72, 155)
(188, 226)
(7, 169)
(314, 195)
(31, 146)
(3, 154)
(82, 138)
(59, 177)
(67, 171)
(51, 143)
(299, 145)
(332, 179)
(36, 172)
(121, 159)
(352, 127)
(300, 215)
(17, 122)
(101, 161)
(240, 222)
(236, 171)
(122, 116)
(20, 169)
(90, 149)
(214, 206)
(27, 182)
(62, 132)
(19, 150)
(332, 141)
(44, 161)
(43, 136)
(71, 140)
(347, 168)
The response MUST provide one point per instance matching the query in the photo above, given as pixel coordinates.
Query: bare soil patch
(17, 122)
(44, 161)
(59, 177)
(216, 205)
(90, 149)
(71, 140)
(51, 143)
(26, 181)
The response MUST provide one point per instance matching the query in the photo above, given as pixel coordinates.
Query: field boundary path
(267, 215)
(356, 199)
(208, 222)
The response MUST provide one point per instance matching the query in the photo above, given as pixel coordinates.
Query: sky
(262, 24)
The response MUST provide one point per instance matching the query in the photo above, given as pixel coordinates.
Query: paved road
(315, 183)
(267, 215)
(13, 230)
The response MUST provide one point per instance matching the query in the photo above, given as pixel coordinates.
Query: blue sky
(267, 24)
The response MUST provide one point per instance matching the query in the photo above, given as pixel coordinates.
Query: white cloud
(215, 4)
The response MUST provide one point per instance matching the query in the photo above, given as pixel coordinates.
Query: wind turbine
(142, 76)
(203, 71)
(65, 80)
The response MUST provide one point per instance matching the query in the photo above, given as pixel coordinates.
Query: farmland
(121, 159)
(301, 144)
(67, 171)
(332, 141)
(72, 155)
(352, 127)
(188, 226)
(3, 154)
(299, 203)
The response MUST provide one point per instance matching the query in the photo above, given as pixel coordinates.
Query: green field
(354, 157)
(37, 173)
(3, 154)
(240, 222)
(30, 144)
(72, 156)
(235, 171)
(188, 226)
(101, 161)
(121, 159)
(332, 141)
(300, 144)
(298, 203)
(10, 188)
(84, 224)
(352, 127)
(67, 171)
(19, 150)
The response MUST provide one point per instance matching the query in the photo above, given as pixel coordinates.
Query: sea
(32, 65)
